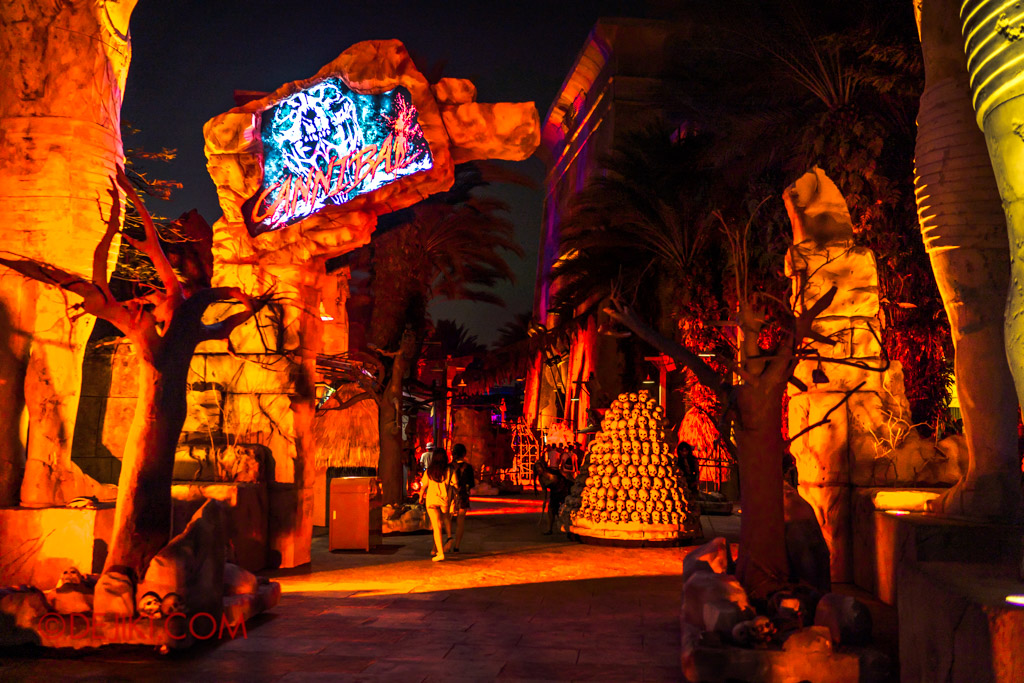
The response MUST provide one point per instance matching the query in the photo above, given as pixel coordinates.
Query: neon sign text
(326, 145)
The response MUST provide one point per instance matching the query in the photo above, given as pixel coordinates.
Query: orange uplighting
(1017, 600)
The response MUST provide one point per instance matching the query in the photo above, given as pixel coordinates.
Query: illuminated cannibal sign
(328, 144)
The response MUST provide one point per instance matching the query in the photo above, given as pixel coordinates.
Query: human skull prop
(632, 433)
(641, 434)
(661, 471)
(643, 494)
(656, 517)
(620, 494)
(634, 482)
(634, 397)
(645, 516)
(634, 516)
(613, 516)
(70, 575)
(645, 483)
(675, 517)
(604, 516)
(645, 459)
(172, 604)
(150, 605)
(631, 471)
(645, 447)
(632, 493)
(630, 505)
(635, 459)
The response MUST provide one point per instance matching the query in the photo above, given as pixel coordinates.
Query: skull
(622, 470)
(651, 404)
(631, 471)
(622, 397)
(632, 433)
(615, 480)
(645, 483)
(635, 459)
(641, 423)
(320, 121)
(645, 516)
(602, 491)
(613, 516)
(634, 397)
(646, 413)
(646, 446)
(635, 483)
(606, 481)
(643, 494)
(632, 493)
(622, 425)
(620, 505)
(645, 459)
(656, 517)
(630, 506)
(71, 575)
(589, 481)
(149, 605)
(641, 434)
(657, 412)
(675, 517)
(661, 471)
(763, 629)
(659, 505)
(599, 504)
(649, 506)
(643, 395)
(605, 515)
(634, 516)
(172, 604)
(620, 494)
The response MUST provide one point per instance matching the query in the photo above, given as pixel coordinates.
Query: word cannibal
(176, 626)
(327, 144)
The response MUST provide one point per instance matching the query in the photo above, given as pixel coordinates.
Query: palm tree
(453, 339)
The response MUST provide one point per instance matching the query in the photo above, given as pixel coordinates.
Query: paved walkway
(514, 605)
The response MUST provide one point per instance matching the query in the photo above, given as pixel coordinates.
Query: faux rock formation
(334, 210)
(65, 66)
(629, 486)
(712, 556)
(869, 441)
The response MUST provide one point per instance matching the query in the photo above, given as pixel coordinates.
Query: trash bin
(355, 522)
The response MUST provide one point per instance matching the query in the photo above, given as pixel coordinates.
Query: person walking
(438, 494)
(465, 480)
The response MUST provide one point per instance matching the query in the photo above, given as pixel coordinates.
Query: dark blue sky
(190, 55)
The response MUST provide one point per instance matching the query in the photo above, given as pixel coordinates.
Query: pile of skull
(629, 474)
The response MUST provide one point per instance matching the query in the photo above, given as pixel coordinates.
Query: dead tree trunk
(164, 328)
(390, 422)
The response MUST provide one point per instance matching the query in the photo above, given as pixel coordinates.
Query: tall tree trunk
(964, 232)
(142, 522)
(389, 417)
(762, 566)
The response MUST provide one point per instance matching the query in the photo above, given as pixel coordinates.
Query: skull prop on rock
(150, 605)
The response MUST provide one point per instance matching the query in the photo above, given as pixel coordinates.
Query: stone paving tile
(532, 607)
(516, 653)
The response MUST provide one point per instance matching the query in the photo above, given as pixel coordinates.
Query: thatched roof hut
(349, 437)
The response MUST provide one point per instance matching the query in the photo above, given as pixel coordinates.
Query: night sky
(190, 56)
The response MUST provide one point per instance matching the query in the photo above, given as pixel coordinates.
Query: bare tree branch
(824, 420)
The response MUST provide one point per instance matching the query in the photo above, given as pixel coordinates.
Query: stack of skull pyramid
(630, 474)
